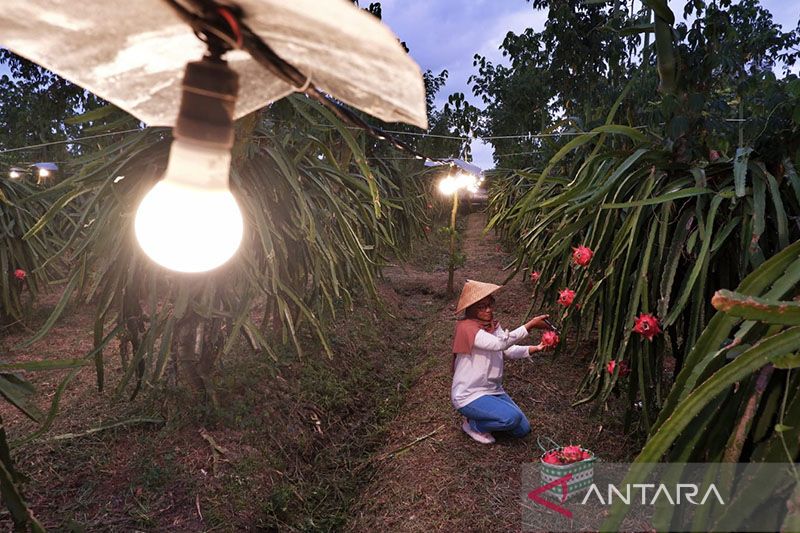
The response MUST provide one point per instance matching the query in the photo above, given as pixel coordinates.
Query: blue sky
(445, 34)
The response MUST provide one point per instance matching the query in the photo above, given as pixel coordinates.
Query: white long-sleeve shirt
(481, 372)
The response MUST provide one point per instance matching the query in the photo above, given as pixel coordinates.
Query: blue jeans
(496, 413)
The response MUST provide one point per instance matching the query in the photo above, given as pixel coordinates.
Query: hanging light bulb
(190, 221)
(448, 185)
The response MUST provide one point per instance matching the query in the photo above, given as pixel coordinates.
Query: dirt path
(447, 481)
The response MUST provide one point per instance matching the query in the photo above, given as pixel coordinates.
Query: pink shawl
(466, 330)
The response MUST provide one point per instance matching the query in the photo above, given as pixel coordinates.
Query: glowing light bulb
(14, 174)
(448, 185)
(190, 221)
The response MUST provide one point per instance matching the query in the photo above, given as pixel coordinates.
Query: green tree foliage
(35, 106)
(442, 122)
(563, 75)
(460, 119)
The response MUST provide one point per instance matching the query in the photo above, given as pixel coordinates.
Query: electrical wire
(100, 135)
(233, 23)
(413, 158)
(464, 138)
(89, 137)
(67, 141)
(498, 137)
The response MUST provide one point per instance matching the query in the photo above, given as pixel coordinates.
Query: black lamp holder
(210, 89)
(208, 100)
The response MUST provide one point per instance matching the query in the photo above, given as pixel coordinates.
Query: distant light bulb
(448, 185)
(43, 172)
(190, 221)
(14, 174)
(465, 180)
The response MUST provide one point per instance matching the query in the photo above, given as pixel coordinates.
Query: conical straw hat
(474, 291)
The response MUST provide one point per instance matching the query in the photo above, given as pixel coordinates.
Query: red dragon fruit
(624, 369)
(647, 326)
(550, 339)
(566, 455)
(551, 458)
(565, 297)
(582, 255)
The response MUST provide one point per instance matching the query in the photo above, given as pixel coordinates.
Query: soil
(366, 441)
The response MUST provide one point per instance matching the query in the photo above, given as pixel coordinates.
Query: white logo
(683, 492)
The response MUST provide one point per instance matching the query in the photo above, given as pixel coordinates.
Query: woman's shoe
(483, 438)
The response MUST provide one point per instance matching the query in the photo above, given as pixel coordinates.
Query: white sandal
(483, 438)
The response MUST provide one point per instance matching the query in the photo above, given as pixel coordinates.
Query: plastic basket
(582, 471)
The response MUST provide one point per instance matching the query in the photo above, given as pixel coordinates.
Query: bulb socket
(208, 100)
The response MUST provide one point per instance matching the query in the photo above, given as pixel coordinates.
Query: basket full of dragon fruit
(559, 461)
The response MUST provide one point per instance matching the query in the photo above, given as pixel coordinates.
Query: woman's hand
(536, 348)
(537, 322)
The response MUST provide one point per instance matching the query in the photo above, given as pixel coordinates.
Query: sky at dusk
(446, 34)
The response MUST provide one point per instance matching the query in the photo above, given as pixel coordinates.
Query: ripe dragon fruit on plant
(550, 339)
(20, 274)
(582, 255)
(535, 275)
(624, 369)
(565, 297)
(647, 326)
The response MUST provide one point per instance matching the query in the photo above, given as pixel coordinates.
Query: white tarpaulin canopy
(460, 163)
(133, 53)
